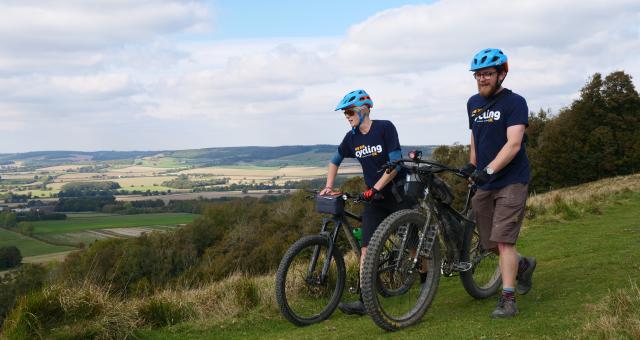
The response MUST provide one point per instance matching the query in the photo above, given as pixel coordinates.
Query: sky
(180, 74)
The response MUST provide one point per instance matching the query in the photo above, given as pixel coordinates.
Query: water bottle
(357, 233)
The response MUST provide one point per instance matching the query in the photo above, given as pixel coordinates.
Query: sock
(509, 294)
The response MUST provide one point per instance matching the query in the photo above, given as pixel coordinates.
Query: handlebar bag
(330, 204)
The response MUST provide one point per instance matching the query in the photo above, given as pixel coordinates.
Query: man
(373, 143)
(498, 164)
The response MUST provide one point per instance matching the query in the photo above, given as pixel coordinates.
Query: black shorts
(376, 211)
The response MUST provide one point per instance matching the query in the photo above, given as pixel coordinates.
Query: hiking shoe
(355, 307)
(505, 309)
(523, 280)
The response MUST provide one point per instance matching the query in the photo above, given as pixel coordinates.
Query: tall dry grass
(572, 202)
(70, 313)
(616, 316)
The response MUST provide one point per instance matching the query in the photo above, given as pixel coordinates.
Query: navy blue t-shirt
(371, 150)
(490, 135)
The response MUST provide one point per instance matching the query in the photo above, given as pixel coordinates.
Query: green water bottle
(357, 233)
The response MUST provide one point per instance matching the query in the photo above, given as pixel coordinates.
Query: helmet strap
(360, 120)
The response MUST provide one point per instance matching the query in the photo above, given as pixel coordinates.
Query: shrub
(10, 257)
(160, 312)
(85, 312)
(34, 314)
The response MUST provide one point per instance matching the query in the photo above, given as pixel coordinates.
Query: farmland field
(27, 245)
(77, 222)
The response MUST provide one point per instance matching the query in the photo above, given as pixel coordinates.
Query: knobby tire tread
(369, 272)
(283, 269)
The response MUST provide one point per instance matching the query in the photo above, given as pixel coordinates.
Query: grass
(162, 162)
(581, 261)
(27, 245)
(89, 222)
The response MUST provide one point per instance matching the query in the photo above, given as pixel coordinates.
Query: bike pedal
(462, 266)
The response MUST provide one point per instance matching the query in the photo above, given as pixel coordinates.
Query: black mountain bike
(416, 246)
(311, 276)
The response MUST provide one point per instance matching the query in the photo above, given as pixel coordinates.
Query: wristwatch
(489, 170)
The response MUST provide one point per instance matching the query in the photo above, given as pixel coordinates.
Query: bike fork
(429, 235)
(316, 252)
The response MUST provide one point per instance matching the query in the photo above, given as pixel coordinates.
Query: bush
(10, 257)
(58, 312)
(34, 314)
(160, 312)
(26, 279)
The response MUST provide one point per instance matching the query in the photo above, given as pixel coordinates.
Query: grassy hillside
(588, 270)
(586, 286)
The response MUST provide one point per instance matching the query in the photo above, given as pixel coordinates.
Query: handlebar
(355, 196)
(421, 166)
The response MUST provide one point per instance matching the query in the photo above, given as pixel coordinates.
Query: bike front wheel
(394, 294)
(483, 279)
(304, 295)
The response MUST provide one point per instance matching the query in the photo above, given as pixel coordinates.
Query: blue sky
(263, 19)
(179, 74)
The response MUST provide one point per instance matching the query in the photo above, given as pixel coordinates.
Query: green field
(162, 162)
(27, 245)
(580, 261)
(77, 222)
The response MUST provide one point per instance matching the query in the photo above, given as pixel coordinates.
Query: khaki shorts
(499, 214)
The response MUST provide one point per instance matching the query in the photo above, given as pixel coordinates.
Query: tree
(457, 156)
(26, 228)
(9, 257)
(595, 137)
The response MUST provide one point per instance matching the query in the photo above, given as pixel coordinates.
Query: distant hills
(290, 155)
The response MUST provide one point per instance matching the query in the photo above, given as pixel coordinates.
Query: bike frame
(429, 206)
(332, 234)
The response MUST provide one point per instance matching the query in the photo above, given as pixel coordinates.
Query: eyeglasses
(485, 75)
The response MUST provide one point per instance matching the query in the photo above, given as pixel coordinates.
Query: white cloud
(107, 66)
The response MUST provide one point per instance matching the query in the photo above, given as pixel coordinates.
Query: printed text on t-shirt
(363, 151)
(488, 116)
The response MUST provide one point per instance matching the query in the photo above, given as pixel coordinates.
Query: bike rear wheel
(302, 296)
(483, 279)
(393, 293)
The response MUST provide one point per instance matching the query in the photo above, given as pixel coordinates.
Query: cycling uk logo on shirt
(487, 117)
(363, 151)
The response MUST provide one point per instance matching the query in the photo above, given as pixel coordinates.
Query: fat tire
(370, 273)
(478, 290)
(283, 270)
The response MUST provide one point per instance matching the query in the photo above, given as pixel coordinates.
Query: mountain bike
(311, 276)
(434, 239)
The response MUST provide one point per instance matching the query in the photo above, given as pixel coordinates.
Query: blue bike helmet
(355, 98)
(489, 57)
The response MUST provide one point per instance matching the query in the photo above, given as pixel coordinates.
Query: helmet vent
(484, 58)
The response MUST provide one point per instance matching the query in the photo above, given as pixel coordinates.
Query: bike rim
(307, 295)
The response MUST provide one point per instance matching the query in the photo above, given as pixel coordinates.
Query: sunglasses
(351, 112)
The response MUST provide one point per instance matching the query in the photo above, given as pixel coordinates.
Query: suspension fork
(429, 234)
(332, 241)
(403, 245)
